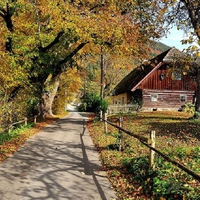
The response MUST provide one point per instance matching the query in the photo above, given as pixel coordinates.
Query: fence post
(105, 123)
(9, 129)
(152, 153)
(25, 121)
(35, 119)
(120, 133)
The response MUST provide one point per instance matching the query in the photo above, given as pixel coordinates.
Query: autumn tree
(31, 38)
(13, 76)
(40, 39)
(185, 15)
(70, 83)
(115, 68)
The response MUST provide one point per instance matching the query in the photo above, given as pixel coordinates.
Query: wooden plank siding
(154, 81)
(166, 99)
(155, 85)
(167, 90)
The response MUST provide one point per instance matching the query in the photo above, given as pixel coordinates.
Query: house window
(154, 97)
(183, 98)
(176, 76)
(162, 76)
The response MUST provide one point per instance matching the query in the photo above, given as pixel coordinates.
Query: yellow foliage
(197, 54)
(71, 81)
(36, 24)
(184, 73)
(194, 48)
(187, 67)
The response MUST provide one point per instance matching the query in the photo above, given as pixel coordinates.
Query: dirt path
(58, 163)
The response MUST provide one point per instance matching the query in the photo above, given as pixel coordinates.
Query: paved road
(58, 163)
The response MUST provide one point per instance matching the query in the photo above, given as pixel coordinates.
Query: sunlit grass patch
(177, 135)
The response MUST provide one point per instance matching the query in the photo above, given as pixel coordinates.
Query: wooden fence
(123, 108)
(24, 121)
(150, 143)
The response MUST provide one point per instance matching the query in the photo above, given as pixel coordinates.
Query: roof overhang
(154, 69)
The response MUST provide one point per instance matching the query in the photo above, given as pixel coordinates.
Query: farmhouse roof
(140, 73)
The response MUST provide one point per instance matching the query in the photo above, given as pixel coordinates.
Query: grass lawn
(177, 135)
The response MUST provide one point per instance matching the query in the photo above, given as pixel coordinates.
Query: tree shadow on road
(55, 168)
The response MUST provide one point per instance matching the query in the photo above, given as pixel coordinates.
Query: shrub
(172, 183)
(139, 168)
(91, 102)
(188, 107)
(5, 137)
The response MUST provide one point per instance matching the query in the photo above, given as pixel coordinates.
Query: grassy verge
(9, 143)
(128, 170)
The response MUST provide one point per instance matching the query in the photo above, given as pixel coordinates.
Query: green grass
(8, 137)
(176, 135)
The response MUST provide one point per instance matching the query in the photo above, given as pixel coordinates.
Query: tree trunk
(49, 92)
(102, 80)
(197, 102)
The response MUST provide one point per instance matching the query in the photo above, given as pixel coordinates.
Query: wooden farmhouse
(155, 85)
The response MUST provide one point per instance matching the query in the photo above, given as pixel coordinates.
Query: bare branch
(55, 41)
(70, 55)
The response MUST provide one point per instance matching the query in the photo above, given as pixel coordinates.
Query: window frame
(177, 76)
(154, 97)
(183, 99)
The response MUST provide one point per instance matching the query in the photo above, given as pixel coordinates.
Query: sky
(174, 39)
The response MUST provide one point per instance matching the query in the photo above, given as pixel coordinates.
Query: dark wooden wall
(154, 81)
(167, 90)
(168, 99)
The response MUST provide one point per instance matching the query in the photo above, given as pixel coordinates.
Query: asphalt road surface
(58, 163)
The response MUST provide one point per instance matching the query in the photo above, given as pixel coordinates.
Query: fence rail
(25, 121)
(123, 108)
(150, 143)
